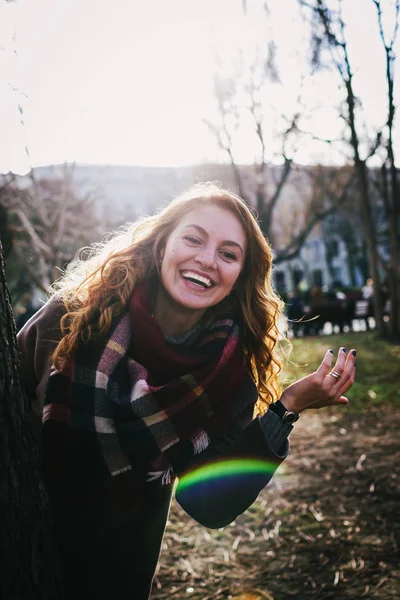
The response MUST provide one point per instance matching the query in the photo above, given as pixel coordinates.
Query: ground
(327, 527)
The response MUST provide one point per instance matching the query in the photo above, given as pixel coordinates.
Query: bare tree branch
(32, 272)
(375, 146)
(37, 242)
(228, 149)
(47, 239)
(296, 244)
(336, 42)
(388, 47)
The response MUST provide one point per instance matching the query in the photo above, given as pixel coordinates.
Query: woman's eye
(229, 255)
(191, 239)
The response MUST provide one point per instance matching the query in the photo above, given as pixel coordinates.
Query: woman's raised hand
(325, 387)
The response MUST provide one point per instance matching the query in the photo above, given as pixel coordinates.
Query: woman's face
(203, 257)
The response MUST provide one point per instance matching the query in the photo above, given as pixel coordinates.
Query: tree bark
(394, 282)
(394, 226)
(366, 212)
(347, 234)
(392, 199)
(29, 567)
(337, 43)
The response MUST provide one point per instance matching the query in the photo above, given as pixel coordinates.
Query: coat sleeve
(37, 340)
(225, 480)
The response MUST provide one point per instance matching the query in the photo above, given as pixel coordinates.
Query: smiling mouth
(200, 280)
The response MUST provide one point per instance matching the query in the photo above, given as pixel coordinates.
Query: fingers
(349, 373)
(342, 368)
(339, 378)
(325, 366)
(326, 386)
(345, 367)
(340, 362)
(341, 400)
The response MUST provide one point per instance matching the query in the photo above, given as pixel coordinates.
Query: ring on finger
(335, 374)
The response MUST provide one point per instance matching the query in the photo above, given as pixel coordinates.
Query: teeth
(190, 275)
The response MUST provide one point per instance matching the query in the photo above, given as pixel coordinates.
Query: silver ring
(335, 374)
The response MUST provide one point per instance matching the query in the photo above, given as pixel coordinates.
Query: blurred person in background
(368, 289)
(152, 358)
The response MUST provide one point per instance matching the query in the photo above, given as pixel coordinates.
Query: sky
(131, 82)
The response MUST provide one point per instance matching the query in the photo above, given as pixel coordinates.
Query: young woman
(155, 357)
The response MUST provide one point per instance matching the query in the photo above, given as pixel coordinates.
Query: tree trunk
(390, 196)
(365, 202)
(337, 41)
(394, 213)
(352, 251)
(363, 262)
(28, 558)
(394, 235)
(370, 238)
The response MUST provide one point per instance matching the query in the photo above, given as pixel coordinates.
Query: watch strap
(286, 415)
(278, 408)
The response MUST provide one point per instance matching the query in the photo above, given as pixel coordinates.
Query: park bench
(339, 314)
(333, 312)
(362, 311)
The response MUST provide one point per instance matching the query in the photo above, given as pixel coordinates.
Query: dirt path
(327, 528)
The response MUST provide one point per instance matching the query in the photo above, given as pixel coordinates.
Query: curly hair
(98, 288)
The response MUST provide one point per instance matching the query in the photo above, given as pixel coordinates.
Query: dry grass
(327, 527)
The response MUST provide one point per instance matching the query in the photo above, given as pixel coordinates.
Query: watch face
(290, 417)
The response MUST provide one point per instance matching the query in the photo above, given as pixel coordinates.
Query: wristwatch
(289, 417)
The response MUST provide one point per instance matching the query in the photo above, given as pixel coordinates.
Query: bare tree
(227, 126)
(285, 196)
(329, 34)
(324, 191)
(49, 221)
(390, 186)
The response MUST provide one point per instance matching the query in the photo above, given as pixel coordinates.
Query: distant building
(124, 193)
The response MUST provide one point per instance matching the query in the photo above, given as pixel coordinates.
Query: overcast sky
(130, 82)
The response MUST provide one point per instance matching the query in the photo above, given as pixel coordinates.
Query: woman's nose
(206, 258)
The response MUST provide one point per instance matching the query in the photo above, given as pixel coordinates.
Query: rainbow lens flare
(220, 471)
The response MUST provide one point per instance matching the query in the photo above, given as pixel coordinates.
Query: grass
(378, 365)
(326, 529)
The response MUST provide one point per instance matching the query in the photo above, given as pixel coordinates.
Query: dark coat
(110, 552)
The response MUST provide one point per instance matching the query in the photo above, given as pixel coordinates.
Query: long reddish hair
(98, 288)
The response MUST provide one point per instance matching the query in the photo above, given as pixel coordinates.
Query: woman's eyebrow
(225, 242)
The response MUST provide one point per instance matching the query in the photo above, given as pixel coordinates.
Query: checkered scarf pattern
(146, 403)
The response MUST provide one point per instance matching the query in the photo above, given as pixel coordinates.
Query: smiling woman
(154, 360)
(200, 265)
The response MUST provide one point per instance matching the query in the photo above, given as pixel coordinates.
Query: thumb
(343, 400)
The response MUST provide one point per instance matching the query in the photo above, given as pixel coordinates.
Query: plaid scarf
(147, 403)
